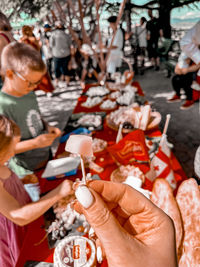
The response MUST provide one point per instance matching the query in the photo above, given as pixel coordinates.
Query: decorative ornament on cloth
(130, 148)
(161, 165)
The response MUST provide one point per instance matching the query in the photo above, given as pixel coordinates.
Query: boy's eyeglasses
(30, 84)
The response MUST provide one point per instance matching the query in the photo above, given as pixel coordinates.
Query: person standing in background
(46, 50)
(153, 33)
(29, 38)
(116, 54)
(6, 36)
(140, 37)
(60, 44)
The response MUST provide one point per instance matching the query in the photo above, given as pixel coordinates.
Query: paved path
(184, 128)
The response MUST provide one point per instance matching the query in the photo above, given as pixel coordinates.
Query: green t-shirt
(24, 111)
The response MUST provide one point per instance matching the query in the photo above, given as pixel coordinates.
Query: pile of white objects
(108, 104)
(92, 102)
(128, 96)
(90, 120)
(97, 91)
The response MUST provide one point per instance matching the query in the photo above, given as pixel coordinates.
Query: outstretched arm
(22, 215)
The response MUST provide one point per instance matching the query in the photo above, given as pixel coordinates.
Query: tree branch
(17, 9)
(145, 6)
(180, 4)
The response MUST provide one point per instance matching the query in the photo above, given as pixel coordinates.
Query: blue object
(77, 131)
(73, 172)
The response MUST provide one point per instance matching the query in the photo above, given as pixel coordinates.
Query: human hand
(178, 70)
(184, 71)
(54, 130)
(132, 230)
(44, 140)
(65, 188)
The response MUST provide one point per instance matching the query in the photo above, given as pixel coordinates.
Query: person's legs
(155, 55)
(49, 67)
(64, 68)
(177, 84)
(187, 82)
(188, 79)
(57, 69)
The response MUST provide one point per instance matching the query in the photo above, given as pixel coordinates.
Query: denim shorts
(61, 66)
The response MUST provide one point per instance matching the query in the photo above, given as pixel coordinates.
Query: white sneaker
(62, 84)
(49, 94)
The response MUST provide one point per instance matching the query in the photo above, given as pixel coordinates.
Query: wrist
(34, 143)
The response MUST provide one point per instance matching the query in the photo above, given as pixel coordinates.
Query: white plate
(60, 166)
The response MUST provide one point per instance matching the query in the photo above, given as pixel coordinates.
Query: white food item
(80, 144)
(95, 167)
(138, 116)
(136, 183)
(97, 91)
(90, 120)
(146, 113)
(126, 99)
(130, 88)
(133, 181)
(123, 114)
(108, 104)
(99, 255)
(128, 96)
(119, 134)
(115, 95)
(130, 170)
(92, 102)
(98, 145)
(120, 175)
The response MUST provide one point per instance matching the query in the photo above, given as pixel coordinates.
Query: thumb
(106, 226)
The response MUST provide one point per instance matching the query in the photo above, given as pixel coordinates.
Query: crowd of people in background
(67, 58)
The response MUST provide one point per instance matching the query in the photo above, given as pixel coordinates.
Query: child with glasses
(23, 69)
(16, 209)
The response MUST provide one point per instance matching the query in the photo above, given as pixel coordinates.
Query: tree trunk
(164, 17)
(128, 16)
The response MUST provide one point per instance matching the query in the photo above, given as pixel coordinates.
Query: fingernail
(84, 196)
(99, 255)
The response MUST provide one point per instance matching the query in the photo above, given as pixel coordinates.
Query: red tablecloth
(34, 248)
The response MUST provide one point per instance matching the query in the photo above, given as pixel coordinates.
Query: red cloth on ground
(36, 231)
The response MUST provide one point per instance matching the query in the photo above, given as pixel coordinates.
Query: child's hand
(44, 140)
(184, 71)
(65, 188)
(54, 130)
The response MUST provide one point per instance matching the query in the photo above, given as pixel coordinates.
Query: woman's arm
(22, 215)
(191, 68)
